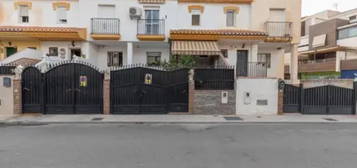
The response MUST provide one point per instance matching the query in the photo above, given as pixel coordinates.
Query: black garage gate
(327, 99)
(148, 90)
(68, 88)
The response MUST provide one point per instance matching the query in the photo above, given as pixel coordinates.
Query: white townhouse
(252, 35)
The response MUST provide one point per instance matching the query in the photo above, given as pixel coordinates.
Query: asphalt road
(179, 146)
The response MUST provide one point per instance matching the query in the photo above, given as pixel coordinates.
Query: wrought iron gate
(145, 90)
(320, 100)
(69, 88)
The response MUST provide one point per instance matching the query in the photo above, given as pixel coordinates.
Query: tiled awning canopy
(152, 1)
(195, 48)
(43, 33)
(216, 34)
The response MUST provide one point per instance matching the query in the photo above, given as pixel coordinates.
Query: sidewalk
(89, 119)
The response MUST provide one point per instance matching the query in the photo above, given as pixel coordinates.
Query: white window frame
(233, 18)
(110, 58)
(154, 54)
(59, 15)
(20, 12)
(196, 12)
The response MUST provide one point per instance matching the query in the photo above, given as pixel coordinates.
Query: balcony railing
(151, 27)
(253, 69)
(321, 65)
(279, 29)
(105, 26)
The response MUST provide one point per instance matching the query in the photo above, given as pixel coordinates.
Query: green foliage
(184, 61)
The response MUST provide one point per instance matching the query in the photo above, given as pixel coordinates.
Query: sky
(310, 7)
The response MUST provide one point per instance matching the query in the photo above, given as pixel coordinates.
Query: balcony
(279, 31)
(151, 29)
(349, 64)
(105, 28)
(323, 65)
(253, 70)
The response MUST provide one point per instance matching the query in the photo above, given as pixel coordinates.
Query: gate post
(106, 93)
(191, 91)
(302, 96)
(17, 91)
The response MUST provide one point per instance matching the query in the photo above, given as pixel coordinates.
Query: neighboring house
(251, 35)
(328, 47)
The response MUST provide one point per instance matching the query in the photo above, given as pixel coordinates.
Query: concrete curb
(35, 123)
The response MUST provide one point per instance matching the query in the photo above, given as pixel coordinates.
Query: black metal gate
(292, 99)
(328, 100)
(69, 88)
(32, 90)
(141, 90)
(320, 100)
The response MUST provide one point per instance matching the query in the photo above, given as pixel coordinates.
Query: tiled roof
(234, 32)
(38, 29)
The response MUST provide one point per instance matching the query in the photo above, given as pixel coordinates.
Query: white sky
(313, 6)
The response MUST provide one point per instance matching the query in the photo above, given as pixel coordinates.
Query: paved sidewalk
(78, 119)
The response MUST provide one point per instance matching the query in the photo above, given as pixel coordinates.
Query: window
(24, 14)
(196, 17)
(224, 53)
(265, 58)
(106, 11)
(347, 33)
(115, 58)
(52, 51)
(61, 15)
(153, 58)
(152, 22)
(303, 25)
(230, 18)
(352, 18)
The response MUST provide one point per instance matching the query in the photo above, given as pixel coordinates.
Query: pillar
(254, 53)
(106, 93)
(339, 56)
(129, 52)
(294, 64)
(191, 92)
(17, 96)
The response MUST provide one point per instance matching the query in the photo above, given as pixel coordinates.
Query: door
(106, 11)
(152, 21)
(278, 28)
(242, 63)
(10, 51)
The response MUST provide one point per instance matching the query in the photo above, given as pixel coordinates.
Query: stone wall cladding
(106, 96)
(17, 96)
(209, 102)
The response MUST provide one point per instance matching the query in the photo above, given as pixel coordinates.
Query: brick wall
(210, 102)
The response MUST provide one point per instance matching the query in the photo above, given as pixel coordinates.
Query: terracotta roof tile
(234, 32)
(37, 29)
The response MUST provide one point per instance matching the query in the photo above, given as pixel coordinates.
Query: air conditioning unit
(135, 13)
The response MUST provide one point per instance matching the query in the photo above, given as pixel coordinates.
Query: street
(179, 146)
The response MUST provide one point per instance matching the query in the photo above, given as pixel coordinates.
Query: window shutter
(24, 11)
(230, 18)
(61, 15)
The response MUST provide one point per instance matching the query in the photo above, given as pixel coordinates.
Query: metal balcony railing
(279, 29)
(253, 69)
(105, 26)
(151, 27)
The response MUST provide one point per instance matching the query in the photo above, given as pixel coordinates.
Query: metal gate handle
(26, 89)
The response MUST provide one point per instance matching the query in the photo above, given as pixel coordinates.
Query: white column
(294, 64)
(129, 52)
(339, 56)
(254, 53)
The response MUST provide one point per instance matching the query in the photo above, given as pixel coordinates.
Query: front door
(10, 51)
(152, 21)
(242, 63)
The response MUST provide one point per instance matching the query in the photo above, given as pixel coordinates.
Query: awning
(195, 48)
